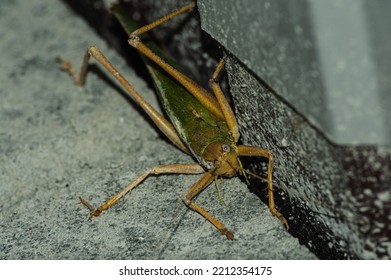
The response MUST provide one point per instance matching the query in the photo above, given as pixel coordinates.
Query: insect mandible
(200, 124)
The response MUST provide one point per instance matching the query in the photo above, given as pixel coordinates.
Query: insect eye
(209, 164)
(226, 148)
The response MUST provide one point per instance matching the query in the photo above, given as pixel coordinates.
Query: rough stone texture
(337, 198)
(59, 141)
(326, 58)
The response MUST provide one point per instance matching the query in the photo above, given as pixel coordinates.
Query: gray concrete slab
(59, 141)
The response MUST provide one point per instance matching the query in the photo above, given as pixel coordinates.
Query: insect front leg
(191, 168)
(260, 152)
(198, 187)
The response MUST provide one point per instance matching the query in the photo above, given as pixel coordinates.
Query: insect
(200, 124)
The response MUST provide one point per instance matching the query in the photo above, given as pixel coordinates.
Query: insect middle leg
(260, 152)
(191, 168)
(198, 187)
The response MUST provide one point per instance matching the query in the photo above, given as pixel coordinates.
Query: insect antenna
(244, 172)
(218, 189)
(248, 172)
(168, 231)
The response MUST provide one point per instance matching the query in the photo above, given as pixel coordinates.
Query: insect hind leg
(191, 168)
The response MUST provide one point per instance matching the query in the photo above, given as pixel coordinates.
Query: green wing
(196, 126)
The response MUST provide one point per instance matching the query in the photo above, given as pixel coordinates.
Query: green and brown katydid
(200, 124)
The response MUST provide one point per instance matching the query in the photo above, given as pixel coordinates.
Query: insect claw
(227, 233)
(64, 64)
(94, 213)
(284, 222)
(281, 218)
